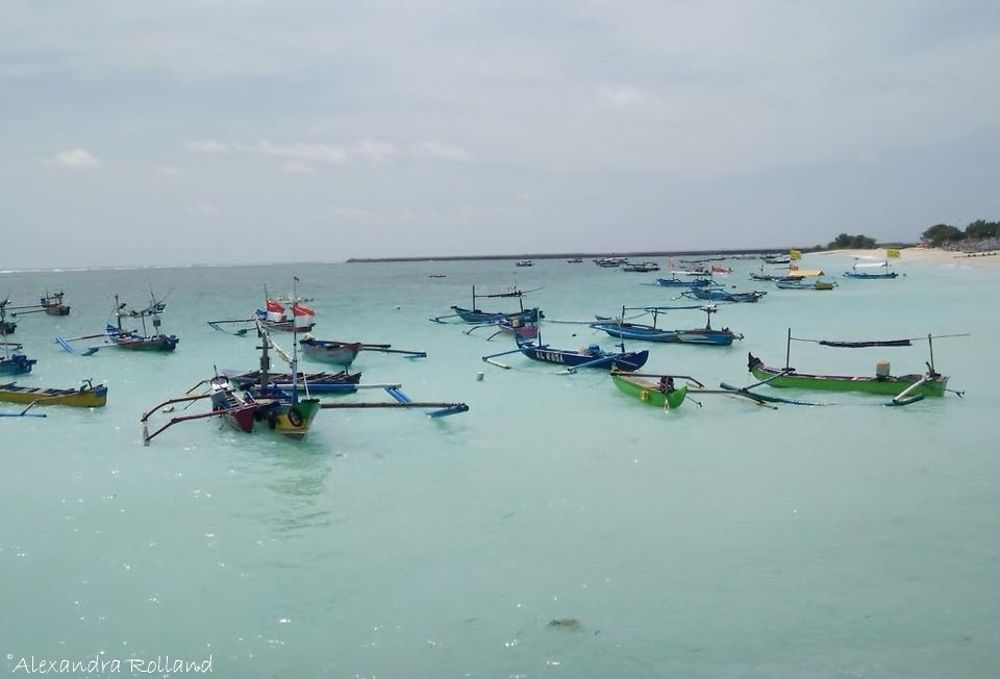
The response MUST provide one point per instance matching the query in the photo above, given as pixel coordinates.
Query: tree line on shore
(936, 236)
(944, 234)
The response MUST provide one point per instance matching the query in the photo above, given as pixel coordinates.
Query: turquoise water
(723, 541)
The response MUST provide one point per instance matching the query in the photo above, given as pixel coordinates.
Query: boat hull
(888, 386)
(17, 364)
(649, 392)
(477, 316)
(629, 361)
(336, 353)
(631, 331)
(854, 274)
(293, 419)
(84, 397)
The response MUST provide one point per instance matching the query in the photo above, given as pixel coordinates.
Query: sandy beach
(934, 255)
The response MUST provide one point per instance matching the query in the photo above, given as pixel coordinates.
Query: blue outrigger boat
(721, 295)
(865, 275)
(475, 315)
(591, 356)
(650, 333)
(675, 282)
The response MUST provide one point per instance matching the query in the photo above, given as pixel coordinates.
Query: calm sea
(726, 540)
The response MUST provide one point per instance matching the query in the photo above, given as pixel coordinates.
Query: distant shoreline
(588, 255)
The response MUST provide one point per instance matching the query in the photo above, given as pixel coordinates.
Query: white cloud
(300, 157)
(76, 158)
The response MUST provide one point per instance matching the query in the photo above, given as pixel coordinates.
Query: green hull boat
(650, 392)
(889, 385)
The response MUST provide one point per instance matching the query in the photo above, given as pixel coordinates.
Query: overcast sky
(221, 131)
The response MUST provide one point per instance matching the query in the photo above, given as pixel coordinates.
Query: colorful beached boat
(87, 396)
(662, 394)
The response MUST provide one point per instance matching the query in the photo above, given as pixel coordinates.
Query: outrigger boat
(344, 353)
(87, 396)
(721, 295)
(799, 284)
(650, 333)
(475, 315)
(125, 338)
(885, 273)
(591, 356)
(53, 305)
(133, 339)
(11, 362)
(283, 411)
(342, 382)
(285, 314)
(675, 282)
(641, 267)
(6, 327)
(662, 394)
(904, 389)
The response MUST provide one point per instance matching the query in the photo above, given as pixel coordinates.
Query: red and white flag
(275, 312)
(304, 316)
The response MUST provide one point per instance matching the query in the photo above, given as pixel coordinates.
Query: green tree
(859, 242)
(982, 229)
(939, 234)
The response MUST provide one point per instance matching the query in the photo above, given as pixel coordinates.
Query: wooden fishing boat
(675, 282)
(341, 382)
(650, 333)
(874, 275)
(662, 394)
(575, 260)
(903, 388)
(12, 363)
(721, 269)
(476, 315)
(610, 262)
(587, 357)
(87, 396)
(720, 295)
(591, 356)
(337, 353)
(126, 338)
(886, 385)
(799, 284)
(286, 315)
(135, 341)
(344, 353)
(524, 262)
(641, 267)
(53, 305)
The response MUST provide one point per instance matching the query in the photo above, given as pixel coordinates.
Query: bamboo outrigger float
(904, 389)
